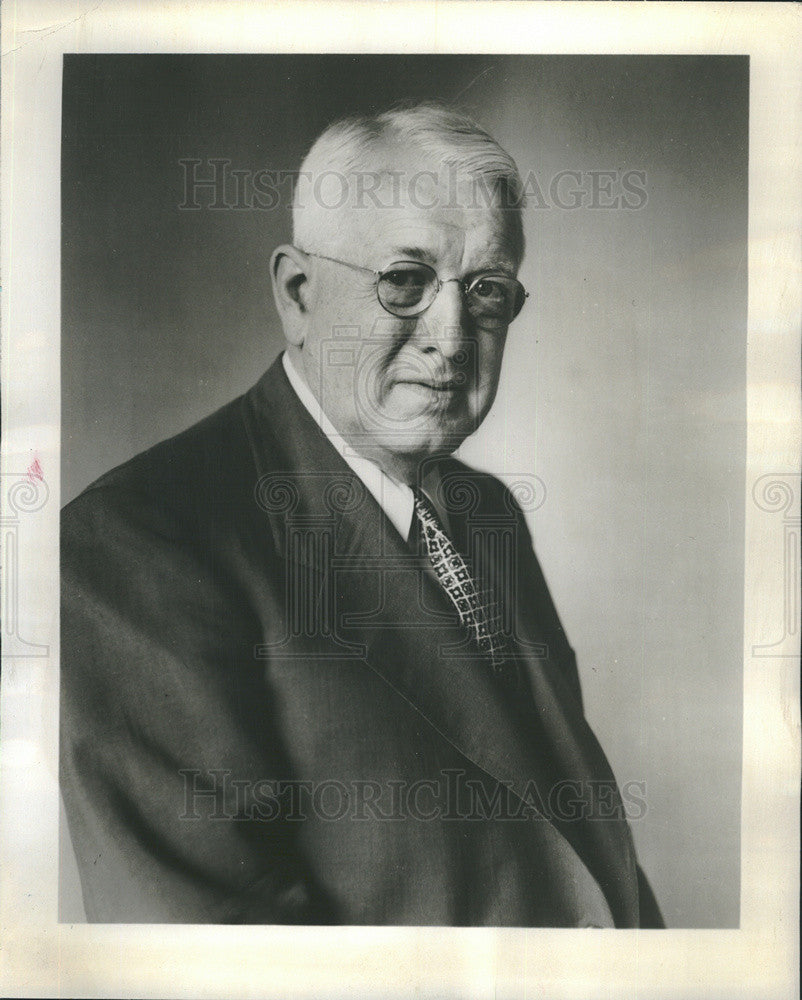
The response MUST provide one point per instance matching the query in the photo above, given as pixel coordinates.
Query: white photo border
(41, 956)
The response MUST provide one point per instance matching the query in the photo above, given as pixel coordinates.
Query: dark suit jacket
(270, 713)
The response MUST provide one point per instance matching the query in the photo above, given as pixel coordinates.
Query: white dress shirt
(394, 498)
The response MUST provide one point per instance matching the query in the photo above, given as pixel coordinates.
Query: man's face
(402, 389)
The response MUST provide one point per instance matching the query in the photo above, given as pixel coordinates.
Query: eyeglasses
(407, 288)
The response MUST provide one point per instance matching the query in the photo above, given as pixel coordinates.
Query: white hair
(433, 131)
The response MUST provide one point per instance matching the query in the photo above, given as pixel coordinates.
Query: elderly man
(311, 672)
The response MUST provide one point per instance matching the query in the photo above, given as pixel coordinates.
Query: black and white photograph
(402, 489)
(312, 669)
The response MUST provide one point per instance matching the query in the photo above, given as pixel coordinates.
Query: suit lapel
(388, 610)
(578, 769)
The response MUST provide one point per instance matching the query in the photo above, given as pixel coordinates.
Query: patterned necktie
(476, 608)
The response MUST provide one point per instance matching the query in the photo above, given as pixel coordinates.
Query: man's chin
(414, 426)
(423, 443)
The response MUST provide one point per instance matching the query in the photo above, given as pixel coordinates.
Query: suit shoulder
(205, 464)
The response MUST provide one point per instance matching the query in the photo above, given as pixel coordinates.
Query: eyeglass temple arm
(346, 263)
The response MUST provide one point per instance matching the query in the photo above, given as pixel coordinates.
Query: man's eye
(405, 279)
(487, 289)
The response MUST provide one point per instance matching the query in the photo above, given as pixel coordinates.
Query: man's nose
(443, 326)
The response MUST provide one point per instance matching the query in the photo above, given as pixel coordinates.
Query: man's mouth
(447, 385)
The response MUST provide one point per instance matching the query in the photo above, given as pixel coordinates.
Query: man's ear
(288, 272)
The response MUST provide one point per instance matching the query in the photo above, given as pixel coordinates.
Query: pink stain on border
(35, 471)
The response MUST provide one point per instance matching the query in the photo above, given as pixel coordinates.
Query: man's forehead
(431, 235)
(396, 196)
(442, 232)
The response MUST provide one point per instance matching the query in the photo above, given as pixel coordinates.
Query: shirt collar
(394, 498)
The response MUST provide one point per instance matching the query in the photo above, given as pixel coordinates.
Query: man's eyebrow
(494, 265)
(498, 264)
(413, 253)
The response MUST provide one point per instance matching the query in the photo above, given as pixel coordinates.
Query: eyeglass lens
(408, 288)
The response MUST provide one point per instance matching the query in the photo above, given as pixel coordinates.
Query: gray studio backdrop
(623, 388)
